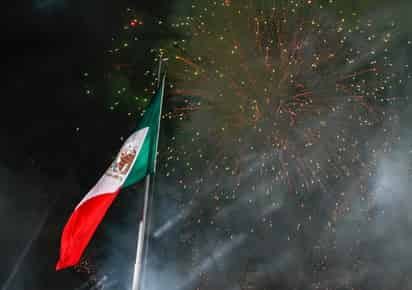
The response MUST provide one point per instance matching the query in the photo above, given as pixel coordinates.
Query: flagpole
(142, 233)
(140, 238)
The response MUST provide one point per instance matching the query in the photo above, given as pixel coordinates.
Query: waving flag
(135, 159)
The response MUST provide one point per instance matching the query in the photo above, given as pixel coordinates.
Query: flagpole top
(159, 69)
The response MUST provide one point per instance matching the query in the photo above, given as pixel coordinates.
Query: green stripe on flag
(140, 167)
(145, 162)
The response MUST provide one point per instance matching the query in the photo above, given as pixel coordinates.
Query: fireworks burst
(280, 96)
(289, 76)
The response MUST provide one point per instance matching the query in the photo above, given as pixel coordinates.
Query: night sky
(48, 164)
(285, 146)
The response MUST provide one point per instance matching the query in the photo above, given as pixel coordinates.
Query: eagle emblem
(127, 155)
(121, 165)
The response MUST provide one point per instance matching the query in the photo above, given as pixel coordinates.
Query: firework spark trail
(212, 258)
(27, 248)
(242, 202)
(188, 62)
(171, 222)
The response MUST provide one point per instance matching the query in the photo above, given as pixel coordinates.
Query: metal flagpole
(140, 238)
(138, 267)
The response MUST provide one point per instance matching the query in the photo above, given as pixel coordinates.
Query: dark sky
(46, 164)
(49, 45)
(56, 141)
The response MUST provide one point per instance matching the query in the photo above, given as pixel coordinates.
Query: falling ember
(188, 62)
(85, 266)
(135, 22)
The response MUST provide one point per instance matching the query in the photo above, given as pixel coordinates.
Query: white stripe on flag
(111, 181)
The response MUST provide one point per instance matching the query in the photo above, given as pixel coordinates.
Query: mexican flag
(134, 161)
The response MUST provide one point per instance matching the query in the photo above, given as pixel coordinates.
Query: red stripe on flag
(80, 228)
